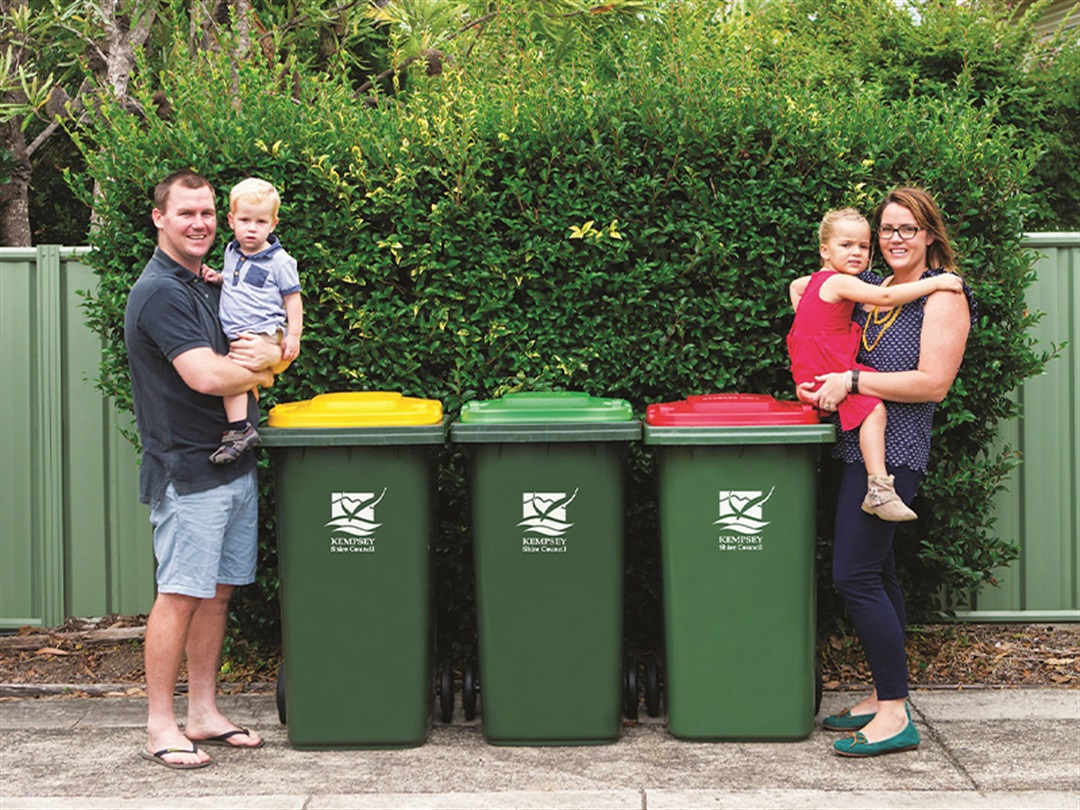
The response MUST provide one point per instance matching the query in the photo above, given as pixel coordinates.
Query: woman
(917, 349)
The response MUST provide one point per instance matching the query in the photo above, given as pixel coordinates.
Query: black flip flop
(158, 758)
(222, 740)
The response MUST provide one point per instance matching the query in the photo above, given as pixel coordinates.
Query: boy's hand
(949, 282)
(210, 275)
(290, 348)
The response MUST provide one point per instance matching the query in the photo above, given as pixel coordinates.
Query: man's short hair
(186, 178)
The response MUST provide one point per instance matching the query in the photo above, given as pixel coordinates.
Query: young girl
(824, 339)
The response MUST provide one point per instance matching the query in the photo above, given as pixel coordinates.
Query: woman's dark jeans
(864, 571)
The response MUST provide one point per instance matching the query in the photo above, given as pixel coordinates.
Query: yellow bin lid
(356, 409)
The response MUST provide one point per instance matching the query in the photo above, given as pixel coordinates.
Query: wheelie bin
(354, 482)
(737, 507)
(546, 479)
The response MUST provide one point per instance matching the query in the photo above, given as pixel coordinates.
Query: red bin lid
(730, 410)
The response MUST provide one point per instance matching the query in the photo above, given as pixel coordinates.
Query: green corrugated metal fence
(74, 541)
(1041, 509)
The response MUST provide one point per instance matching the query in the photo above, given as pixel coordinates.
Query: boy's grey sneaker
(881, 500)
(234, 443)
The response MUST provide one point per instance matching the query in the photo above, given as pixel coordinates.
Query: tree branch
(391, 71)
(288, 25)
(42, 136)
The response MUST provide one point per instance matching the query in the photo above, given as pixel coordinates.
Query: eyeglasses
(905, 231)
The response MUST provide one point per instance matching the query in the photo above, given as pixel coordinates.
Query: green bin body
(737, 507)
(547, 512)
(355, 521)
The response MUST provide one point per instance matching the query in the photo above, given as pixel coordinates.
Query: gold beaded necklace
(883, 322)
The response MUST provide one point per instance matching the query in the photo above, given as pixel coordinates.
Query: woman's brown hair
(939, 253)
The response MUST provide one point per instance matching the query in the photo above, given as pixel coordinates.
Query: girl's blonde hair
(255, 192)
(828, 222)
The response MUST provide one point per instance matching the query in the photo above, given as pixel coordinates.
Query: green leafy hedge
(623, 223)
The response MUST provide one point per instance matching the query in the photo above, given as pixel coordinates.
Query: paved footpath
(982, 748)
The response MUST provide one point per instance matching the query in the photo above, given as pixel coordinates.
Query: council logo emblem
(353, 513)
(545, 512)
(741, 511)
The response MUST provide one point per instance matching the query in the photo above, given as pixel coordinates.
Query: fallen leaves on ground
(957, 654)
(938, 654)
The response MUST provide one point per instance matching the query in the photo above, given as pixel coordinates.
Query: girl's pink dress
(822, 339)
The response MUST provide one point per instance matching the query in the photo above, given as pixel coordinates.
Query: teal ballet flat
(846, 721)
(857, 746)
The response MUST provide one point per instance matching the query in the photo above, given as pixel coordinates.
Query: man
(205, 516)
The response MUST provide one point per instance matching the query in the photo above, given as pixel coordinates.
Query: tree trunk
(14, 201)
(241, 12)
(123, 36)
(14, 191)
(122, 39)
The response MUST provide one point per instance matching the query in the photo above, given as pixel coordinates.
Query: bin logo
(545, 512)
(740, 511)
(353, 513)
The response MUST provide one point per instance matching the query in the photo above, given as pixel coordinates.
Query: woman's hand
(807, 393)
(827, 392)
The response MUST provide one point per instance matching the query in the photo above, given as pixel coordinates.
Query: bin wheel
(446, 692)
(279, 694)
(630, 689)
(817, 687)
(652, 687)
(469, 689)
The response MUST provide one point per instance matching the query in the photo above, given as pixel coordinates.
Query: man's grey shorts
(206, 539)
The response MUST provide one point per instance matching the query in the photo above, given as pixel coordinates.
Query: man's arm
(204, 371)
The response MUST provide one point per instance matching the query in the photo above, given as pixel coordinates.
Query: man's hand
(254, 353)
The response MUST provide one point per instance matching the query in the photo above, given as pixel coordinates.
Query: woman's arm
(946, 323)
(945, 327)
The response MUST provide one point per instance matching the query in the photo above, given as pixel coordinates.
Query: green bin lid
(544, 416)
(546, 406)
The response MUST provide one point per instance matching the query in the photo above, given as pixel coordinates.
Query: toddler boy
(260, 294)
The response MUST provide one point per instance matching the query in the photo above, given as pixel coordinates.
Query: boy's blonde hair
(255, 192)
(828, 222)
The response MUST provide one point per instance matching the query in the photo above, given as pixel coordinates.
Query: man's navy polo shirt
(170, 310)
